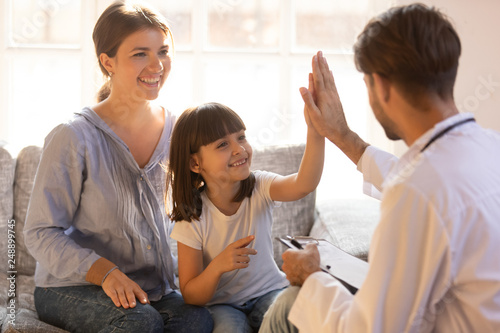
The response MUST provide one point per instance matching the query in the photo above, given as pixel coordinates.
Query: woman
(97, 223)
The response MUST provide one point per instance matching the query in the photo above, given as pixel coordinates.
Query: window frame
(287, 55)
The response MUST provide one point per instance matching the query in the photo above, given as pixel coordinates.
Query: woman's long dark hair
(198, 127)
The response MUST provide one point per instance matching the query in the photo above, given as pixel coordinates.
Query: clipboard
(348, 269)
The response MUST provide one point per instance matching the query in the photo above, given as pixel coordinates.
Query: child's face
(224, 161)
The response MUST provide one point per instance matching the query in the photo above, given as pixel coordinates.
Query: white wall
(477, 88)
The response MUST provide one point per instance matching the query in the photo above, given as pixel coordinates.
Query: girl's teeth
(239, 163)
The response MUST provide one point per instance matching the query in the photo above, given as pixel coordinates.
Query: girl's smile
(239, 163)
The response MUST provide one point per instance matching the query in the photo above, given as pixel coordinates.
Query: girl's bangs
(214, 122)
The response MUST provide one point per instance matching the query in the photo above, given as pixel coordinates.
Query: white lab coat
(433, 258)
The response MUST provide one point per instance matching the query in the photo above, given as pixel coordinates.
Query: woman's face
(141, 65)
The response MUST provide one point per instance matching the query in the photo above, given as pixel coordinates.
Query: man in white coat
(433, 260)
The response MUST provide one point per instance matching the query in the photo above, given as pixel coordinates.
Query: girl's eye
(222, 144)
(242, 137)
(164, 52)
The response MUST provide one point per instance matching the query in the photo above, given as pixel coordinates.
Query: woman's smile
(151, 82)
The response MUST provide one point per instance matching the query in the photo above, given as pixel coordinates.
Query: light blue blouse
(90, 200)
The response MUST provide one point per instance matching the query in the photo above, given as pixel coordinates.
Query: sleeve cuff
(99, 271)
(319, 297)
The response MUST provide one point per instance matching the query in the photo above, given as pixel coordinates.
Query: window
(252, 55)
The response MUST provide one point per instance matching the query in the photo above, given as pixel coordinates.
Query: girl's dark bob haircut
(196, 127)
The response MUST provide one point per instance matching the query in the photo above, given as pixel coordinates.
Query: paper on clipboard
(335, 261)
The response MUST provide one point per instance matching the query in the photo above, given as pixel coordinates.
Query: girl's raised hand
(306, 106)
(235, 255)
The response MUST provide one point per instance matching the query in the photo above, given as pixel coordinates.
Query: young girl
(96, 222)
(224, 215)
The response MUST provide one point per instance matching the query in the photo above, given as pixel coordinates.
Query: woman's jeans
(88, 309)
(243, 318)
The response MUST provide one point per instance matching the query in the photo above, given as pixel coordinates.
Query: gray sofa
(346, 223)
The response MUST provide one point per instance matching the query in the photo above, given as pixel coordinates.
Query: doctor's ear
(194, 164)
(382, 86)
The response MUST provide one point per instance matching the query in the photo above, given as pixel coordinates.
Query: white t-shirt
(434, 256)
(215, 231)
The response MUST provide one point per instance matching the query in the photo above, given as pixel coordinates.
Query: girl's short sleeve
(263, 181)
(188, 233)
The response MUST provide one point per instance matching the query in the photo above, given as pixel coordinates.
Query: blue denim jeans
(242, 318)
(88, 309)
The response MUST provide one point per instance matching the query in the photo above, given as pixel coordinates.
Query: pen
(299, 246)
(295, 243)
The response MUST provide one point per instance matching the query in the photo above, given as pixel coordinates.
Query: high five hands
(325, 110)
(324, 107)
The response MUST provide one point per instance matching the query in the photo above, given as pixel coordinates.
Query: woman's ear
(107, 62)
(194, 164)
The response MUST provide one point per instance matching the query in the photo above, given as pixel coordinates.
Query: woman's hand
(122, 290)
(235, 255)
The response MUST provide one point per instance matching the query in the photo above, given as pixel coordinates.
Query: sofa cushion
(290, 218)
(27, 321)
(26, 166)
(348, 224)
(26, 318)
(7, 168)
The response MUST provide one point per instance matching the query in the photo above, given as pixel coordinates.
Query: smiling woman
(103, 240)
(140, 66)
(143, 54)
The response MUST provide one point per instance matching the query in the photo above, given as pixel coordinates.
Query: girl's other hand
(235, 255)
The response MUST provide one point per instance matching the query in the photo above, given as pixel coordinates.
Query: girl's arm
(197, 285)
(298, 185)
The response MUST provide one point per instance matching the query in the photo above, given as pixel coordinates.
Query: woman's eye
(140, 54)
(164, 52)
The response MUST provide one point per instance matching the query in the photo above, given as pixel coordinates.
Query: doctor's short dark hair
(415, 47)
